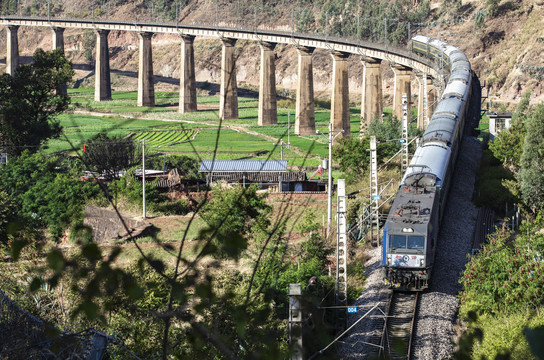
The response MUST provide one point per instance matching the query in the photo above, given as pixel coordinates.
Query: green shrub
(356, 274)
(323, 103)
(287, 104)
(506, 276)
(493, 186)
(504, 334)
(177, 207)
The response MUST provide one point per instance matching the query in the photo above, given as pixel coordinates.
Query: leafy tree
(532, 161)
(108, 156)
(451, 7)
(506, 276)
(128, 188)
(304, 20)
(522, 110)
(352, 156)
(502, 293)
(508, 144)
(231, 214)
(43, 195)
(493, 7)
(185, 164)
(8, 216)
(29, 101)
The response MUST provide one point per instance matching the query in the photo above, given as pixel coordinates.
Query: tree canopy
(532, 161)
(110, 155)
(29, 101)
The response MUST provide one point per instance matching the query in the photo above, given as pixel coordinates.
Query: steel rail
(399, 325)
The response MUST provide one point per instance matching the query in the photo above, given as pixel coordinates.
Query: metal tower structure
(341, 258)
(374, 194)
(404, 139)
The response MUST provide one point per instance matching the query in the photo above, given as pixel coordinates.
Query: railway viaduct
(403, 62)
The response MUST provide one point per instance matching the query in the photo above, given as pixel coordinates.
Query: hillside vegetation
(503, 39)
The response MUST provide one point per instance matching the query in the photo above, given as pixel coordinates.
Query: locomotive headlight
(422, 262)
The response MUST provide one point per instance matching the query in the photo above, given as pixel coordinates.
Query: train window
(398, 241)
(416, 242)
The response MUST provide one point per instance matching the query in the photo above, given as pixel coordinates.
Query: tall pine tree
(532, 162)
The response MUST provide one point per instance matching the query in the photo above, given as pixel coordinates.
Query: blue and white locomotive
(411, 230)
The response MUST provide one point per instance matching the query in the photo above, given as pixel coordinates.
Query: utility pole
(143, 177)
(289, 129)
(283, 146)
(295, 321)
(292, 23)
(330, 138)
(255, 19)
(385, 30)
(177, 14)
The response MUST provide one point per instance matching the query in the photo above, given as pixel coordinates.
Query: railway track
(398, 330)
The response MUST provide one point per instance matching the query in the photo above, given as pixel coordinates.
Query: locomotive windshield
(407, 242)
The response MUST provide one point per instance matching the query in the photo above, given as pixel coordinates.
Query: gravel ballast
(438, 305)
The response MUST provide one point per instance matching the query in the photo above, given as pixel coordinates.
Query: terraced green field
(199, 134)
(160, 138)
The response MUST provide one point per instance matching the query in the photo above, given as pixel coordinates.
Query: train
(411, 230)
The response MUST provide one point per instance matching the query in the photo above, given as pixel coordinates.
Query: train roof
(460, 64)
(460, 74)
(428, 166)
(421, 38)
(457, 56)
(455, 88)
(441, 128)
(450, 105)
(450, 49)
(411, 211)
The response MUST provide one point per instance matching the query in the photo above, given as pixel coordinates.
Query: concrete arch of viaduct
(403, 62)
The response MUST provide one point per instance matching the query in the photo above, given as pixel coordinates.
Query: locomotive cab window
(398, 241)
(416, 242)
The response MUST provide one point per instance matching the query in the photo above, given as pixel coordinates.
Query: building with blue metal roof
(263, 172)
(219, 166)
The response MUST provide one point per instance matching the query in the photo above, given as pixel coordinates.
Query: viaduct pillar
(12, 56)
(146, 90)
(431, 96)
(268, 111)
(102, 80)
(228, 101)
(305, 116)
(371, 101)
(402, 86)
(58, 38)
(187, 82)
(340, 93)
(58, 43)
(421, 102)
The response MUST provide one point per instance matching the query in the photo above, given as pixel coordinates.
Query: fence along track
(398, 330)
(484, 227)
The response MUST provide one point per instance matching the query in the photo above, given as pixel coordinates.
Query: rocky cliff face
(506, 50)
